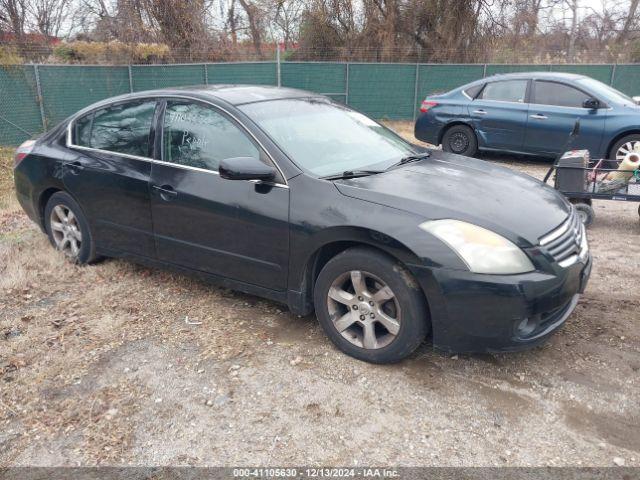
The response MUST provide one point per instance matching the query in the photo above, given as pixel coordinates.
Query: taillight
(426, 105)
(22, 151)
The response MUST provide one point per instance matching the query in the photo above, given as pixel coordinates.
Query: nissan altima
(288, 195)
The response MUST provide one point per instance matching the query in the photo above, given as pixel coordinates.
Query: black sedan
(287, 195)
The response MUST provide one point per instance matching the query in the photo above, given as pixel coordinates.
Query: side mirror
(245, 168)
(591, 103)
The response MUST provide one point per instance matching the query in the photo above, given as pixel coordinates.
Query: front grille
(567, 243)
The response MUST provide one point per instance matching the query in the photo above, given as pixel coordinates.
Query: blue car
(531, 113)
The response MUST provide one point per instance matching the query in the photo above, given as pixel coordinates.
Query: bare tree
(573, 31)
(286, 18)
(180, 24)
(48, 15)
(253, 13)
(628, 22)
(13, 17)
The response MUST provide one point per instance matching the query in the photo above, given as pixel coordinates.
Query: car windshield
(325, 138)
(605, 91)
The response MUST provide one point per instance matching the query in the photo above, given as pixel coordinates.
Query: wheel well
(453, 124)
(42, 202)
(325, 253)
(617, 138)
(328, 251)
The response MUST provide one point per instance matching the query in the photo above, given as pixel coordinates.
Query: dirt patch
(620, 430)
(117, 364)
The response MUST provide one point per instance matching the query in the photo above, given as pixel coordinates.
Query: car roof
(229, 94)
(233, 94)
(241, 94)
(538, 75)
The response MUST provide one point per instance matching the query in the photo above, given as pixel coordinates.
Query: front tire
(68, 229)
(461, 140)
(624, 146)
(370, 306)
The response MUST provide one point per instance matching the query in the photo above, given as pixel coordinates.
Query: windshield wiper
(352, 174)
(409, 159)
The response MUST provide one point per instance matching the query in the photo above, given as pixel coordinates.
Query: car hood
(445, 185)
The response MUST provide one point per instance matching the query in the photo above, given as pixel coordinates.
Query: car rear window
(122, 128)
(554, 93)
(506, 91)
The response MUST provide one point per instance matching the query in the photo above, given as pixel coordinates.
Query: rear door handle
(74, 167)
(539, 116)
(480, 112)
(167, 192)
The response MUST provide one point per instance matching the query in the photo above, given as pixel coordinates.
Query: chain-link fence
(33, 98)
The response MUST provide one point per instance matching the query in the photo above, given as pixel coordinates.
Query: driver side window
(197, 135)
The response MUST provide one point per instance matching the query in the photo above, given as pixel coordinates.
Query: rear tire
(461, 140)
(68, 229)
(586, 213)
(370, 306)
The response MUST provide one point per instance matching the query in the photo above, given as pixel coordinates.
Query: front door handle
(539, 116)
(167, 192)
(480, 112)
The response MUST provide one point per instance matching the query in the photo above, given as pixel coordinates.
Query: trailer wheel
(585, 213)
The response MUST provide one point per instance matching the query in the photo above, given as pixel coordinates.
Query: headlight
(482, 250)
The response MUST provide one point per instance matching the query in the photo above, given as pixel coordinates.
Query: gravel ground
(117, 364)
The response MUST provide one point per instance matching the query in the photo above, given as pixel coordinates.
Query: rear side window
(474, 90)
(552, 93)
(122, 128)
(199, 136)
(507, 91)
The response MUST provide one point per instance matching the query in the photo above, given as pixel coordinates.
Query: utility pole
(278, 74)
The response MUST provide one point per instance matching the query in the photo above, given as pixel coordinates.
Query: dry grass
(6, 175)
(405, 129)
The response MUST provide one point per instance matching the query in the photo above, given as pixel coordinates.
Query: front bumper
(499, 313)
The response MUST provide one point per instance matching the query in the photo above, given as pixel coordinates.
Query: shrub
(9, 56)
(110, 52)
(634, 52)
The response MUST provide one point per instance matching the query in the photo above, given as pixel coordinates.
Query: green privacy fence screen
(34, 98)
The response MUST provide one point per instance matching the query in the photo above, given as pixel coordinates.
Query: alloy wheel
(626, 148)
(364, 309)
(458, 142)
(66, 231)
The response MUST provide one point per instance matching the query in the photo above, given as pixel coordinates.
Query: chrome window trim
(562, 106)
(152, 160)
(501, 101)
